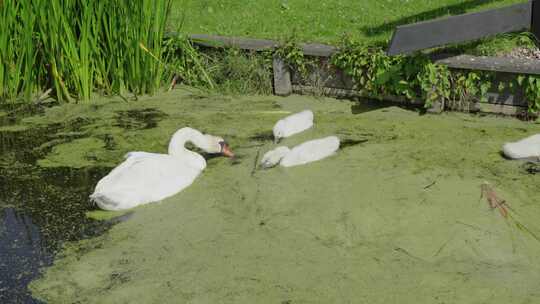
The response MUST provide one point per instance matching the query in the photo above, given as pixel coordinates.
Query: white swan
(149, 177)
(525, 148)
(307, 152)
(293, 124)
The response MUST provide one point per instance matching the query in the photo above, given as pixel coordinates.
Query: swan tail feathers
(134, 154)
(104, 202)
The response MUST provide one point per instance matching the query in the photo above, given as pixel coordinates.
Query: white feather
(302, 154)
(526, 148)
(272, 158)
(293, 124)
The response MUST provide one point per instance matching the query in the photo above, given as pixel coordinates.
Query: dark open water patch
(139, 119)
(40, 208)
(28, 145)
(39, 211)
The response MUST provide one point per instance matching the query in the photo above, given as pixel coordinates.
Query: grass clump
(235, 71)
(224, 70)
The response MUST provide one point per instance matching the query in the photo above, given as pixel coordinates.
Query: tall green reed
(17, 49)
(125, 63)
(80, 47)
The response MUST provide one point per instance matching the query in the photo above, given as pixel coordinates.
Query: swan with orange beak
(150, 177)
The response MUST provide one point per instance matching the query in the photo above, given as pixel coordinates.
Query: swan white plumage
(304, 153)
(293, 124)
(149, 177)
(273, 157)
(526, 148)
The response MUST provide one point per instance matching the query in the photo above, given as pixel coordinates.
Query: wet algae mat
(40, 208)
(395, 217)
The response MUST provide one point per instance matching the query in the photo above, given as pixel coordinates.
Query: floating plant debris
(494, 201)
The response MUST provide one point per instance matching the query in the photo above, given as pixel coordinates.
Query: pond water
(40, 208)
(396, 210)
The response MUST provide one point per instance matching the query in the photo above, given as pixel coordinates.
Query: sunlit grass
(326, 21)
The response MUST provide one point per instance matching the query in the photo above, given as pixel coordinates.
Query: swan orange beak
(226, 151)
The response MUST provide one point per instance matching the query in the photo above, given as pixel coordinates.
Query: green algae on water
(79, 153)
(396, 218)
(102, 215)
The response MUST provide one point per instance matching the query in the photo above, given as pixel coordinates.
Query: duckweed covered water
(40, 208)
(394, 217)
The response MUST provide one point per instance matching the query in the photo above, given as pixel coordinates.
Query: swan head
(218, 145)
(208, 143)
(273, 157)
(279, 133)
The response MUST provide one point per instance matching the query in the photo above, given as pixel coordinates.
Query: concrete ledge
(499, 109)
(494, 64)
(309, 49)
(282, 77)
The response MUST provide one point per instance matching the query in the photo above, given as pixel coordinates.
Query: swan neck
(183, 136)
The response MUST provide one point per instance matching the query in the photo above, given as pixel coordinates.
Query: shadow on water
(40, 208)
(139, 119)
(532, 167)
(369, 105)
(453, 9)
(209, 156)
(236, 160)
(348, 143)
(263, 136)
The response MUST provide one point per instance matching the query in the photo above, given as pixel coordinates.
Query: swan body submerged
(149, 177)
(302, 154)
(526, 148)
(293, 124)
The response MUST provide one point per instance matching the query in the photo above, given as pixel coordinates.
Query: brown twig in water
(494, 201)
(173, 83)
(430, 185)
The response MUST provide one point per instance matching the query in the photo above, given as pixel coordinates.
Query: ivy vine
(293, 55)
(531, 87)
(413, 77)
